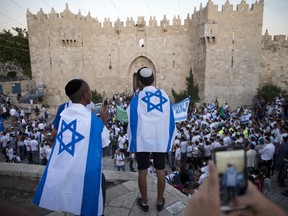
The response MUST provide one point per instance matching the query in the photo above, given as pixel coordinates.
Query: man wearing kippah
(151, 129)
(72, 179)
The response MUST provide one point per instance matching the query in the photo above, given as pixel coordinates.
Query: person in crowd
(119, 160)
(282, 160)
(267, 155)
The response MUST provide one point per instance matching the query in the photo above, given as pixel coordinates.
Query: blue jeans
(121, 168)
(21, 151)
(35, 156)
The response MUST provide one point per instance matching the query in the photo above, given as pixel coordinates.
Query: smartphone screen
(231, 167)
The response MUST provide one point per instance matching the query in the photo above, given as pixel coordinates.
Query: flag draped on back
(180, 110)
(71, 181)
(121, 114)
(151, 122)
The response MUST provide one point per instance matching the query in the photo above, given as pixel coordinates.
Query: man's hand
(104, 114)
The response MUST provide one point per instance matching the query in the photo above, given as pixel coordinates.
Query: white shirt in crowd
(189, 150)
(34, 145)
(177, 154)
(267, 152)
(120, 159)
(251, 158)
(183, 147)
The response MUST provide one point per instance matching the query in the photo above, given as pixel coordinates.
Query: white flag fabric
(245, 118)
(180, 110)
(151, 125)
(72, 179)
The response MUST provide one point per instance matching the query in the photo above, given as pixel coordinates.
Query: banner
(180, 110)
(121, 114)
(245, 118)
(211, 106)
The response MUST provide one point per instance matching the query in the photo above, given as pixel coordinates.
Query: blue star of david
(151, 106)
(76, 137)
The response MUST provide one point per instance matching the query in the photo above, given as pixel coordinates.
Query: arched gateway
(136, 64)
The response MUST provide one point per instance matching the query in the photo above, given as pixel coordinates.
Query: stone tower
(223, 48)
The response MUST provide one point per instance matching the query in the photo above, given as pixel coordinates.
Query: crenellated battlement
(67, 15)
(269, 42)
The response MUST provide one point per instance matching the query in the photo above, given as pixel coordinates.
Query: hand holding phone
(231, 167)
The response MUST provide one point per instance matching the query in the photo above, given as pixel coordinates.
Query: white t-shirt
(27, 144)
(34, 145)
(267, 152)
(189, 150)
(10, 153)
(121, 141)
(120, 159)
(47, 152)
(177, 154)
(183, 147)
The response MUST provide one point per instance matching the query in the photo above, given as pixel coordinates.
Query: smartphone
(231, 167)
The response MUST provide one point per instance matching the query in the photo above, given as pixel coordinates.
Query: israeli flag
(71, 181)
(245, 118)
(231, 118)
(180, 110)
(211, 106)
(214, 115)
(151, 125)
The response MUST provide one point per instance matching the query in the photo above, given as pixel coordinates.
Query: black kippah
(73, 86)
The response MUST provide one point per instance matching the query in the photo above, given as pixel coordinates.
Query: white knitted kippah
(146, 72)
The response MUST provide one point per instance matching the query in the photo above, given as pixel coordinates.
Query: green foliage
(15, 49)
(96, 97)
(191, 90)
(270, 91)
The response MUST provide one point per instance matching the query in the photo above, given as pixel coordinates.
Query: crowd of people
(264, 136)
(25, 134)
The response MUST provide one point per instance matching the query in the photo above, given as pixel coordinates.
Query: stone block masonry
(223, 47)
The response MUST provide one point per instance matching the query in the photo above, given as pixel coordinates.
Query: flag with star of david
(151, 123)
(72, 179)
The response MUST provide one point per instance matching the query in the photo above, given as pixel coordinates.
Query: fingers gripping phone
(231, 167)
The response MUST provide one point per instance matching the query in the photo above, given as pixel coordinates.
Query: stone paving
(121, 198)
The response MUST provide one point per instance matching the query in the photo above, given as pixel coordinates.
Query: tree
(15, 49)
(96, 97)
(270, 91)
(20, 31)
(191, 90)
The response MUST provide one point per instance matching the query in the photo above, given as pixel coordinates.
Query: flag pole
(103, 99)
(103, 112)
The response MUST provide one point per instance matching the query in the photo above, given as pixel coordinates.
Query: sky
(13, 12)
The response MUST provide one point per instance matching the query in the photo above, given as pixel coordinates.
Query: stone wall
(223, 48)
(231, 40)
(12, 67)
(25, 85)
(274, 60)
(65, 46)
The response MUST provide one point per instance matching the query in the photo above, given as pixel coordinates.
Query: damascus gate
(223, 47)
